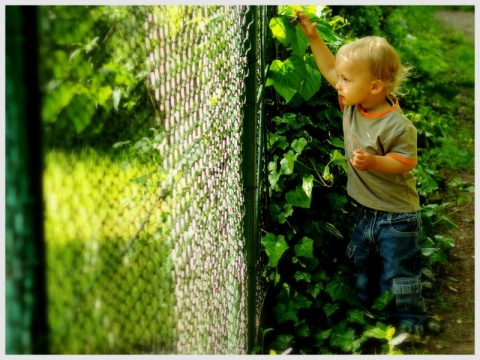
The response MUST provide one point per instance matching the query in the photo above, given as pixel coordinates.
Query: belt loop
(389, 216)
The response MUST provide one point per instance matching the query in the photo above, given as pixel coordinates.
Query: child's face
(354, 81)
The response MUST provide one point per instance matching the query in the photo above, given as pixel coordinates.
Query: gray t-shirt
(386, 133)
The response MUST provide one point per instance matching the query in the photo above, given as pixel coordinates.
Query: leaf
(445, 241)
(357, 316)
(337, 201)
(274, 247)
(339, 291)
(287, 164)
(287, 211)
(80, 110)
(273, 175)
(277, 140)
(282, 30)
(307, 185)
(299, 144)
(323, 335)
(383, 300)
(298, 197)
(428, 251)
(286, 77)
(376, 333)
(328, 227)
(284, 313)
(299, 42)
(337, 142)
(329, 309)
(282, 341)
(304, 248)
(311, 83)
(327, 176)
(302, 302)
(303, 276)
(302, 329)
(314, 290)
(345, 339)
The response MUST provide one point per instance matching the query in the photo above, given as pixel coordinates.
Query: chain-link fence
(151, 240)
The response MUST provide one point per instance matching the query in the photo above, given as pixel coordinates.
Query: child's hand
(363, 160)
(308, 28)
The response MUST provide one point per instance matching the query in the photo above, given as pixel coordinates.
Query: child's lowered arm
(363, 161)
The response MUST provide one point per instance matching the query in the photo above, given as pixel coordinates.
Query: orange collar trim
(395, 106)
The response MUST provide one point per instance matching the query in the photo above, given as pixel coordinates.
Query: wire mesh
(145, 236)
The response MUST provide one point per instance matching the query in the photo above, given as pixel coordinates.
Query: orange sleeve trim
(403, 159)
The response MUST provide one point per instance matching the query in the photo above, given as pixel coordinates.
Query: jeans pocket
(408, 295)
(406, 224)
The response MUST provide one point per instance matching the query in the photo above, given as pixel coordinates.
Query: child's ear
(376, 86)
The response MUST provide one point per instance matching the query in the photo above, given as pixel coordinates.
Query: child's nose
(338, 85)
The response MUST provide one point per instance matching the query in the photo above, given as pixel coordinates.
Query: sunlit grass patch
(103, 256)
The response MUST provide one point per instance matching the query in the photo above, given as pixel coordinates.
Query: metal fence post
(249, 169)
(26, 316)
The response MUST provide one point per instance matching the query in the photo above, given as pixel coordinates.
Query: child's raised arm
(322, 54)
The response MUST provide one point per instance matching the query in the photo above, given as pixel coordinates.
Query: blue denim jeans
(386, 253)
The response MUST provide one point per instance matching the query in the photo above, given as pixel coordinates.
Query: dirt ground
(454, 304)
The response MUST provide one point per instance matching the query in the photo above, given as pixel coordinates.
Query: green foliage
(92, 76)
(313, 308)
(297, 74)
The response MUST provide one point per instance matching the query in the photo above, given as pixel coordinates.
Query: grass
(108, 282)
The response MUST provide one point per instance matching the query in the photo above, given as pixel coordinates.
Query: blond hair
(383, 61)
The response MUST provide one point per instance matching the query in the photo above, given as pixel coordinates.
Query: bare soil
(453, 302)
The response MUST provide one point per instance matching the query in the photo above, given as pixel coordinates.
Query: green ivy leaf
(337, 142)
(329, 309)
(303, 276)
(339, 291)
(375, 332)
(299, 144)
(299, 42)
(304, 248)
(383, 300)
(287, 164)
(282, 30)
(274, 247)
(302, 329)
(327, 176)
(287, 211)
(282, 342)
(286, 77)
(337, 201)
(311, 83)
(273, 174)
(356, 315)
(278, 140)
(315, 289)
(323, 335)
(302, 302)
(307, 185)
(338, 158)
(343, 339)
(285, 312)
(298, 197)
